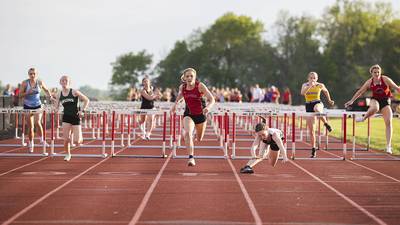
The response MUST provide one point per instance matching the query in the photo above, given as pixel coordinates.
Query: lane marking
(370, 169)
(146, 197)
(41, 199)
(357, 206)
(31, 163)
(246, 195)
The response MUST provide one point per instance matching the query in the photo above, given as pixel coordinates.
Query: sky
(81, 38)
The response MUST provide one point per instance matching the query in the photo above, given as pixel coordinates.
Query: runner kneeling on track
(72, 114)
(195, 115)
(266, 139)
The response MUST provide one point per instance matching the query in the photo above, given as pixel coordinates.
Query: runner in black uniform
(69, 98)
(148, 97)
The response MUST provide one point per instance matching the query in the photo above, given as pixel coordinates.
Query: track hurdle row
(221, 122)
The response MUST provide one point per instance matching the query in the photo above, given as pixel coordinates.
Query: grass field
(378, 136)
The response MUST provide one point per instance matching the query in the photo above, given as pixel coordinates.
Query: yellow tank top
(313, 94)
(396, 96)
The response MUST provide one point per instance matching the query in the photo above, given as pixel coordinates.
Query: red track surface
(165, 191)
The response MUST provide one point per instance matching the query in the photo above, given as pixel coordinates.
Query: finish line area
(116, 177)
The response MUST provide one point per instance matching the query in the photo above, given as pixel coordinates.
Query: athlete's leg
(387, 115)
(200, 130)
(77, 134)
(372, 109)
(188, 127)
(319, 108)
(67, 128)
(311, 130)
(31, 126)
(142, 125)
(38, 124)
(150, 125)
(274, 155)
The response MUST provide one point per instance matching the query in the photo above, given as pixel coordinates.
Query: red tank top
(380, 91)
(193, 99)
(286, 96)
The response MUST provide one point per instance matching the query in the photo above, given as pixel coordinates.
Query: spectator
(16, 95)
(287, 97)
(236, 96)
(257, 94)
(7, 91)
(133, 94)
(275, 94)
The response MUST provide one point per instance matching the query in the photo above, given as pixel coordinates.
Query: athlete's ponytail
(261, 126)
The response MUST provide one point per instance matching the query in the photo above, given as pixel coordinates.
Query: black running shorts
(197, 119)
(73, 120)
(382, 102)
(310, 106)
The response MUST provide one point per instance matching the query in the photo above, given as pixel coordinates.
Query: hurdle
(379, 156)
(221, 125)
(103, 146)
(131, 146)
(28, 153)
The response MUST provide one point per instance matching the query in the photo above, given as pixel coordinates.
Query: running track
(166, 191)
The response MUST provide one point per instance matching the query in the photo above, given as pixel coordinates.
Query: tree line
(340, 46)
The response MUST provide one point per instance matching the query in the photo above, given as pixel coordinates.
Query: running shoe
(191, 162)
(313, 153)
(359, 119)
(147, 136)
(247, 169)
(31, 146)
(328, 127)
(67, 157)
(389, 150)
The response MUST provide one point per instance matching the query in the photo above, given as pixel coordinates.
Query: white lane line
(357, 206)
(36, 161)
(146, 197)
(246, 195)
(370, 169)
(29, 207)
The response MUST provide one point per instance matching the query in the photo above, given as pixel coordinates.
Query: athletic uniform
(70, 104)
(286, 96)
(269, 141)
(147, 104)
(194, 103)
(32, 101)
(313, 97)
(381, 93)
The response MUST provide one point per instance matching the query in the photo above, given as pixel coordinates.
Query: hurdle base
(24, 154)
(199, 157)
(140, 156)
(81, 155)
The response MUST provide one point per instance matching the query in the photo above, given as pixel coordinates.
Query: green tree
(232, 48)
(228, 53)
(349, 28)
(170, 68)
(94, 93)
(129, 67)
(386, 49)
(297, 51)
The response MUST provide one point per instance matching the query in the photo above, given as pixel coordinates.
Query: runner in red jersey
(380, 86)
(195, 112)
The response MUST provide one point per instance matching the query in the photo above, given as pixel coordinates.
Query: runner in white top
(266, 139)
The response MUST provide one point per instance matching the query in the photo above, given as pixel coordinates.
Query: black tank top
(70, 103)
(147, 104)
